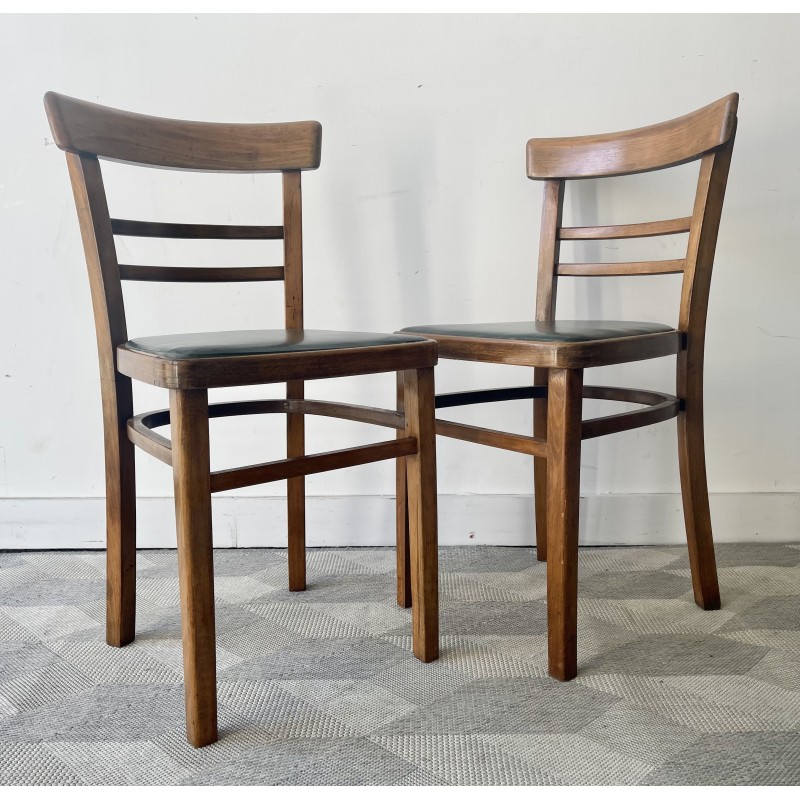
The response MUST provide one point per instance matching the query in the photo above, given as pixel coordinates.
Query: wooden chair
(559, 351)
(191, 364)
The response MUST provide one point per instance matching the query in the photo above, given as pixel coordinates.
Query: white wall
(420, 212)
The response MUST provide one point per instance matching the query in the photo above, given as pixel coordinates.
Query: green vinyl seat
(555, 331)
(218, 344)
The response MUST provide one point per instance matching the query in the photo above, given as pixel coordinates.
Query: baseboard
(77, 523)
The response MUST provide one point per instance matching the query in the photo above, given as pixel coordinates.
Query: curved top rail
(640, 150)
(82, 127)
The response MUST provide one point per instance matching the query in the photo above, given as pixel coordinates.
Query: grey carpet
(320, 687)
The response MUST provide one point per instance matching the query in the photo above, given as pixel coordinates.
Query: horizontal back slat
(134, 272)
(654, 147)
(82, 127)
(179, 230)
(635, 231)
(665, 267)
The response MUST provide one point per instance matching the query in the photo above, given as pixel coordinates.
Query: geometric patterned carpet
(320, 687)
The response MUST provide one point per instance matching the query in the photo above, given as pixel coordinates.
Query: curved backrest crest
(706, 135)
(667, 144)
(89, 132)
(82, 127)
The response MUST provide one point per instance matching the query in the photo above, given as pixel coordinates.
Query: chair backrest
(707, 134)
(88, 132)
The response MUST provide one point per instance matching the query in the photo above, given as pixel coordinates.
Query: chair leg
(192, 475)
(563, 495)
(694, 490)
(421, 486)
(403, 548)
(121, 535)
(296, 494)
(540, 469)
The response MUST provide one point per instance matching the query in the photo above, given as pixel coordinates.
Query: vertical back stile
(100, 250)
(706, 216)
(293, 248)
(549, 245)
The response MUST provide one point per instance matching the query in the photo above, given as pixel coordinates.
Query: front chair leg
(563, 495)
(419, 404)
(403, 550)
(296, 493)
(192, 473)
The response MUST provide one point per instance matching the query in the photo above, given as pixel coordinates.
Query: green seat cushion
(219, 344)
(558, 331)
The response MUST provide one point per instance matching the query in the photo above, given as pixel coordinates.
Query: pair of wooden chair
(191, 364)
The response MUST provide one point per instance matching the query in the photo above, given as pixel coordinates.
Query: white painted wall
(420, 212)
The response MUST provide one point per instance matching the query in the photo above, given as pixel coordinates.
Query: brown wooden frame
(88, 132)
(706, 135)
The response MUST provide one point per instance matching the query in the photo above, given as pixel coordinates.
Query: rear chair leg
(421, 485)
(192, 475)
(120, 518)
(563, 495)
(401, 495)
(694, 488)
(121, 540)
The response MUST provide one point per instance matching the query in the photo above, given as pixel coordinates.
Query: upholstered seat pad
(183, 346)
(558, 331)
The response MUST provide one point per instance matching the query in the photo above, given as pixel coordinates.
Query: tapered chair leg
(694, 490)
(296, 495)
(563, 495)
(540, 468)
(422, 515)
(120, 534)
(403, 550)
(191, 469)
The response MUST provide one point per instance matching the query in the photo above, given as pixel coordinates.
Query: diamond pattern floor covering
(320, 687)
